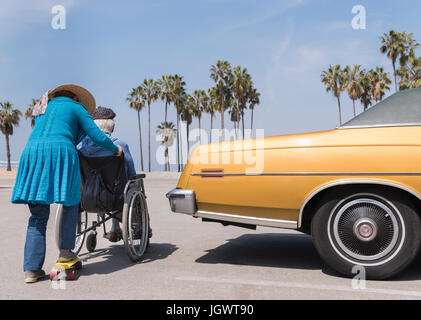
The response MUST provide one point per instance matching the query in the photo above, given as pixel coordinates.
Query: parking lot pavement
(189, 259)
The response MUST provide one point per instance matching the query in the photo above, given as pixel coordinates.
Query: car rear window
(402, 108)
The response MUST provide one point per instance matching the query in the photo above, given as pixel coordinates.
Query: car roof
(400, 109)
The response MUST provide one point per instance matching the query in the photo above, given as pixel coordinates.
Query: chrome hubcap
(365, 229)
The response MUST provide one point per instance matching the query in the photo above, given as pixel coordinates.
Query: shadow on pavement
(267, 250)
(294, 251)
(115, 258)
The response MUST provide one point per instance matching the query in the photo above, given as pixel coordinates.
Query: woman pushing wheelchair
(49, 170)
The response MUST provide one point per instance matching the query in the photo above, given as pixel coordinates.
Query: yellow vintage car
(356, 189)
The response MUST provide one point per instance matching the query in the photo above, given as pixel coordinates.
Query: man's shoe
(113, 236)
(32, 276)
(66, 256)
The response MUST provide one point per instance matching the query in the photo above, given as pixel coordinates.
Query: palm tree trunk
(211, 128)
(339, 110)
(353, 103)
(167, 162)
(149, 137)
(9, 167)
(394, 75)
(178, 142)
(181, 151)
(221, 95)
(166, 108)
(200, 132)
(242, 121)
(188, 143)
(251, 125)
(140, 140)
(222, 125)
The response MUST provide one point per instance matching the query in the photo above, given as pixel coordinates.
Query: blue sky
(111, 46)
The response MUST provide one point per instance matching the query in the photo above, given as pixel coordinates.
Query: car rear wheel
(377, 230)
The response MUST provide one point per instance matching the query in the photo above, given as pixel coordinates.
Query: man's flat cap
(103, 113)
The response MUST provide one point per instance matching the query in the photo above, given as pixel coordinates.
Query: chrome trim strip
(338, 183)
(381, 125)
(309, 174)
(285, 224)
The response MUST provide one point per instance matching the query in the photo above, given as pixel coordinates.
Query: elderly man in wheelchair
(111, 189)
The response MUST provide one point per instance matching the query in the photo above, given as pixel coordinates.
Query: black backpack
(103, 183)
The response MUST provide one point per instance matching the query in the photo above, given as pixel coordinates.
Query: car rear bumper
(182, 201)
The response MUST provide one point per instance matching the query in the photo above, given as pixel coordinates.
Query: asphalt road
(189, 259)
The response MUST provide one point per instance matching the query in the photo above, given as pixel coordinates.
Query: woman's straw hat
(85, 97)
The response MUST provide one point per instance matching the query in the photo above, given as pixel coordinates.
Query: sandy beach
(11, 175)
(4, 174)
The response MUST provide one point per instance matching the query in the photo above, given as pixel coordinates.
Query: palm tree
(211, 107)
(409, 48)
(135, 102)
(166, 91)
(204, 106)
(393, 47)
(365, 82)
(200, 99)
(241, 86)
(355, 88)
(9, 118)
(235, 117)
(178, 92)
(410, 74)
(380, 83)
(28, 112)
(149, 93)
(254, 99)
(221, 74)
(187, 115)
(398, 45)
(167, 132)
(335, 80)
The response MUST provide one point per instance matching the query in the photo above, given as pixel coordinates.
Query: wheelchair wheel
(135, 225)
(91, 242)
(81, 226)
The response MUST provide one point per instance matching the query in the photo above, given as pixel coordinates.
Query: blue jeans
(34, 254)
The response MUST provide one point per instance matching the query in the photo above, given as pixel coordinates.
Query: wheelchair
(107, 193)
